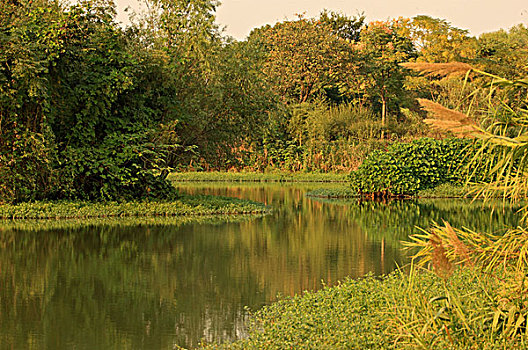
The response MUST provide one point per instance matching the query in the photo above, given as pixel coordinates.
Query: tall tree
(383, 48)
(505, 52)
(343, 26)
(305, 57)
(436, 40)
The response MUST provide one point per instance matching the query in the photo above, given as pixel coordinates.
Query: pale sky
(478, 16)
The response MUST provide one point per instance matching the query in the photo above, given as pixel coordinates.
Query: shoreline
(185, 206)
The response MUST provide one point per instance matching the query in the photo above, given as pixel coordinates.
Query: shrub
(405, 168)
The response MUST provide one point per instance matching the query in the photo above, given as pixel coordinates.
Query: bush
(406, 168)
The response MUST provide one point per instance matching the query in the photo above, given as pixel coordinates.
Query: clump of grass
(184, 205)
(338, 192)
(445, 119)
(257, 177)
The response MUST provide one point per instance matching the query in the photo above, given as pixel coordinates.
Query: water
(163, 283)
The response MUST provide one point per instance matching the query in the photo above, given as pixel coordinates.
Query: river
(164, 283)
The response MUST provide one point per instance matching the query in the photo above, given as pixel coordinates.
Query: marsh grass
(39, 225)
(257, 177)
(183, 206)
(494, 313)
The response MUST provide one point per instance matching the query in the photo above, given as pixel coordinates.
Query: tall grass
(495, 313)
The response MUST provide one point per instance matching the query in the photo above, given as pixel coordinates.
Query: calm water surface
(163, 283)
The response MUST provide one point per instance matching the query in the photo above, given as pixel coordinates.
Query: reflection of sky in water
(153, 283)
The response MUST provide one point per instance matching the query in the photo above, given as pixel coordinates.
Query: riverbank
(396, 311)
(342, 190)
(442, 191)
(36, 225)
(257, 177)
(367, 313)
(197, 205)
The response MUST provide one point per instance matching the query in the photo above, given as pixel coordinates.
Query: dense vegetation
(184, 205)
(406, 168)
(93, 110)
(356, 314)
(465, 288)
(90, 110)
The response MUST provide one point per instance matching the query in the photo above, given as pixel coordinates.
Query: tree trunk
(383, 115)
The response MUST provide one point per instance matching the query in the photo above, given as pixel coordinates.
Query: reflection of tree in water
(303, 241)
(151, 285)
(108, 287)
(394, 220)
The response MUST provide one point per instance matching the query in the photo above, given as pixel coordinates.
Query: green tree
(383, 48)
(67, 131)
(436, 40)
(505, 52)
(343, 26)
(305, 58)
(29, 43)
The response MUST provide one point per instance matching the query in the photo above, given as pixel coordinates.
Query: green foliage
(257, 177)
(348, 28)
(436, 40)
(496, 311)
(343, 317)
(320, 136)
(405, 168)
(91, 110)
(39, 225)
(355, 314)
(185, 205)
(504, 52)
(65, 130)
(383, 48)
(305, 58)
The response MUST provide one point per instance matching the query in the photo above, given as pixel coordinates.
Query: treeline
(89, 109)
(94, 110)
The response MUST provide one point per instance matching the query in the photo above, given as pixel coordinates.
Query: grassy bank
(257, 177)
(370, 313)
(183, 206)
(39, 225)
(444, 191)
(441, 191)
(356, 314)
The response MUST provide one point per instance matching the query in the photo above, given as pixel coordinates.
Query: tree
(436, 40)
(29, 42)
(214, 97)
(305, 58)
(505, 52)
(66, 129)
(348, 28)
(383, 48)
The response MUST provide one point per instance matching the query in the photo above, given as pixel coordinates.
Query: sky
(239, 17)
